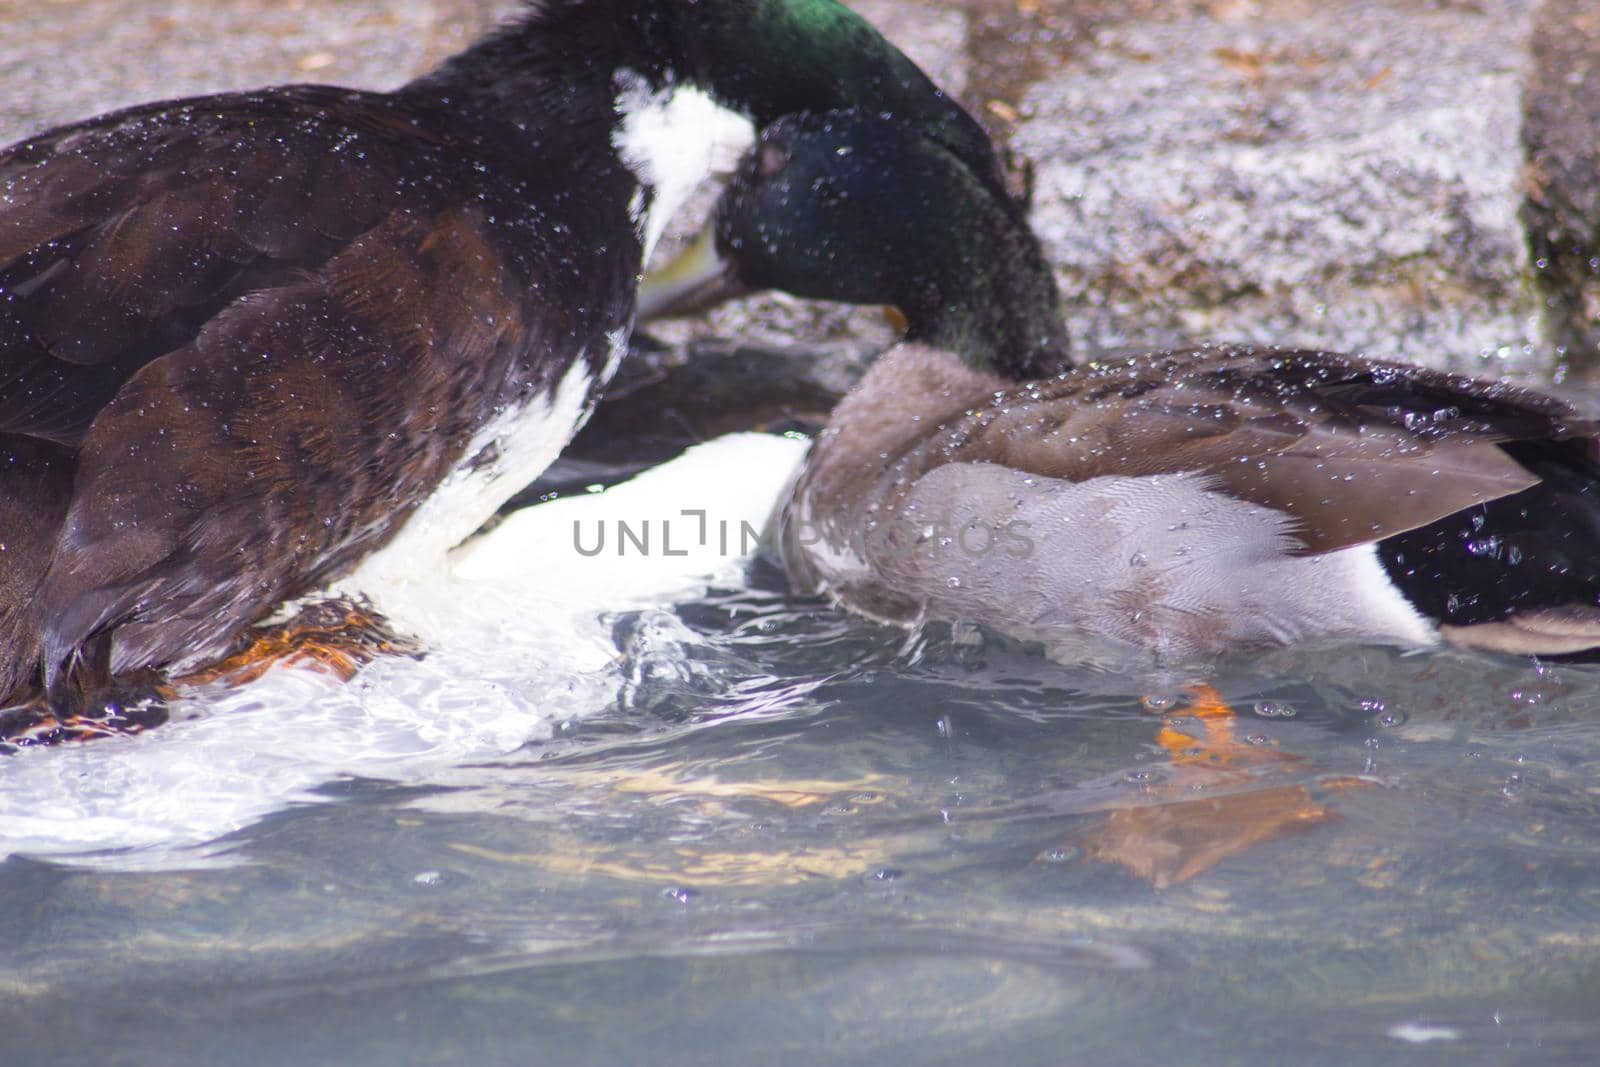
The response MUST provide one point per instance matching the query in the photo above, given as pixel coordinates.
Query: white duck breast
(672, 139)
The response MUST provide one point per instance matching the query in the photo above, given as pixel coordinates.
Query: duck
(1164, 507)
(254, 342)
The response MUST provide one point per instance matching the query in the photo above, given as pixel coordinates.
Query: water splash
(519, 640)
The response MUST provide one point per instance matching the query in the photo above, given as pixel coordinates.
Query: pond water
(688, 823)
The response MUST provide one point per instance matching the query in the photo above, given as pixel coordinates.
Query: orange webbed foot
(1218, 746)
(334, 637)
(1178, 835)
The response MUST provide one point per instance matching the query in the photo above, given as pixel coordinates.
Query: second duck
(1180, 503)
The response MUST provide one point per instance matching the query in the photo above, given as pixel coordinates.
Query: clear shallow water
(769, 832)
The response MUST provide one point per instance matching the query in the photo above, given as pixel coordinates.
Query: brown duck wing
(285, 441)
(1355, 450)
(121, 237)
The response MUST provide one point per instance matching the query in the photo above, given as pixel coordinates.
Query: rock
(1419, 181)
(1562, 138)
(70, 59)
(1344, 175)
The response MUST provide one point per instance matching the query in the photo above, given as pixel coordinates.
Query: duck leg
(104, 707)
(335, 637)
(1177, 835)
(1218, 746)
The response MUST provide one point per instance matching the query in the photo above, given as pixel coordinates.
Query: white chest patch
(672, 139)
(503, 457)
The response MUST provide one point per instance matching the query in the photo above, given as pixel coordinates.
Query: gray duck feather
(1181, 503)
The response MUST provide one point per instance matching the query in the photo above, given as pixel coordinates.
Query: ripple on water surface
(725, 819)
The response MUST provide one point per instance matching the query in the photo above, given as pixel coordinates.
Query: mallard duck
(1179, 503)
(250, 341)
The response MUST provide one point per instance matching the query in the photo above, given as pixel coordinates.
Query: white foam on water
(1416, 1033)
(517, 641)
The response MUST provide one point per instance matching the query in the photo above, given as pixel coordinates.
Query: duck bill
(695, 279)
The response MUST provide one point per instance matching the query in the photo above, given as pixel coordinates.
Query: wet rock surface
(1562, 143)
(1337, 175)
(69, 59)
(1413, 180)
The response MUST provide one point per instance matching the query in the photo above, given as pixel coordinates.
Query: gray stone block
(1562, 212)
(1413, 180)
(1341, 175)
